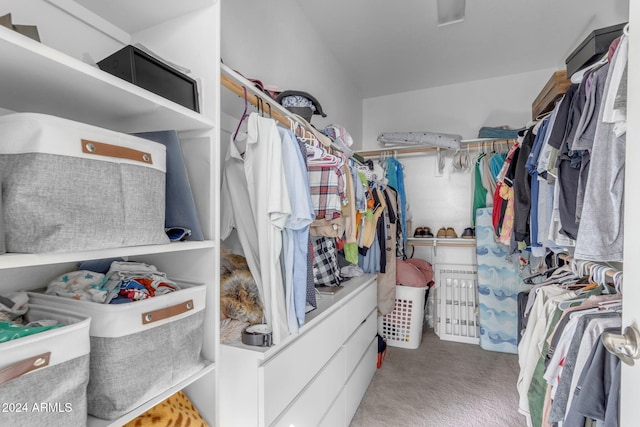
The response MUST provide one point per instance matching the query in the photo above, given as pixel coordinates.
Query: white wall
(445, 200)
(272, 42)
(460, 109)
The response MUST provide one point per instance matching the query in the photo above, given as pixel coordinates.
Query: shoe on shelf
(451, 233)
(427, 232)
(418, 232)
(442, 233)
(469, 233)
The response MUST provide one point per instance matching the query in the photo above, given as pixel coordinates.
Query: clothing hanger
(244, 113)
(614, 304)
(317, 155)
(579, 75)
(260, 106)
(299, 132)
(617, 277)
(440, 161)
(315, 152)
(382, 158)
(457, 160)
(601, 275)
(555, 266)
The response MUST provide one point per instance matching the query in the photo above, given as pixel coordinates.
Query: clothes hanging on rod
(259, 213)
(575, 160)
(336, 188)
(295, 232)
(565, 318)
(570, 189)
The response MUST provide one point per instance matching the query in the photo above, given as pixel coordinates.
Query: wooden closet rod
(237, 84)
(470, 143)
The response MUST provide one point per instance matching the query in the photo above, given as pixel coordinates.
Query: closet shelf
(98, 422)
(468, 143)
(447, 242)
(15, 260)
(41, 79)
(435, 242)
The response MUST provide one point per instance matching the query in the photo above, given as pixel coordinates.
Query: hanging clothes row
(566, 194)
(307, 215)
(561, 352)
(564, 184)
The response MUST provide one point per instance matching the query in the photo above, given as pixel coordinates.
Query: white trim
(88, 17)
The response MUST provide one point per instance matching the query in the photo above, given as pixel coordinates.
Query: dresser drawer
(287, 373)
(360, 306)
(315, 400)
(358, 343)
(359, 381)
(335, 416)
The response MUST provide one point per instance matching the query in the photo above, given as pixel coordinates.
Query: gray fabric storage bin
(43, 377)
(135, 357)
(2, 250)
(69, 186)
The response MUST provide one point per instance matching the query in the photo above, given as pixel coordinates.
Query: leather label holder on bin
(102, 149)
(24, 366)
(164, 313)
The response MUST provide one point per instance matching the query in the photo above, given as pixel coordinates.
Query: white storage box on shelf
(403, 326)
(69, 186)
(44, 376)
(142, 348)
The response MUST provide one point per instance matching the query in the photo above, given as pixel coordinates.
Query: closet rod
(610, 272)
(236, 84)
(470, 143)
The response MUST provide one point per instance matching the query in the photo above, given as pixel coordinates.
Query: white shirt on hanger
(271, 207)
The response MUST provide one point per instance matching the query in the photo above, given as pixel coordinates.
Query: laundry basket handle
(164, 313)
(27, 365)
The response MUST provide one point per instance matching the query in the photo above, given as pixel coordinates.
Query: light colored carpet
(442, 384)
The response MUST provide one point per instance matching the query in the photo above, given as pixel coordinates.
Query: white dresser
(317, 377)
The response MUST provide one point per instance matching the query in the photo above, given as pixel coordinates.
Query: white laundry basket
(403, 326)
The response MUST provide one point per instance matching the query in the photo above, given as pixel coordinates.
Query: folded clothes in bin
(142, 348)
(69, 186)
(44, 376)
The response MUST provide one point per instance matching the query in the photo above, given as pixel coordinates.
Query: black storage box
(135, 66)
(593, 47)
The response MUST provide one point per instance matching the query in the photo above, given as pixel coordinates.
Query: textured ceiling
(396, 46)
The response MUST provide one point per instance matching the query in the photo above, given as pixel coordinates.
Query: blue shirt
(296, 229)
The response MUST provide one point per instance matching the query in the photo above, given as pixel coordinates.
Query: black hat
(315, 109)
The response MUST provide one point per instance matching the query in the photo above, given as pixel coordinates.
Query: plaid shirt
(325, 262)
(327, 186)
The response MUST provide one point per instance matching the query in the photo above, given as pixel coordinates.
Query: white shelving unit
(58, 76)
